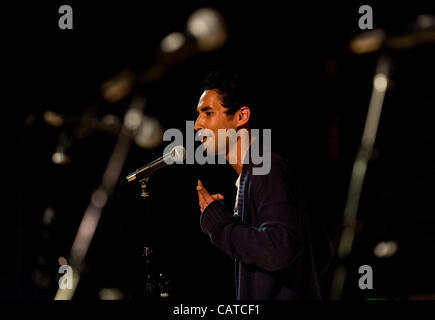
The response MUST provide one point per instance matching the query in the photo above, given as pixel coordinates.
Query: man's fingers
(201, 197)
(203, 201)
(217, 196)
(202, 190)
(204, 197)
(200, 186)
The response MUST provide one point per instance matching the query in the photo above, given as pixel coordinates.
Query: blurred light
(48, 216)
(118, 87)
(62, 261)
(208, 27)
(53, 119)
(369, 41)
(150, 133)
(425, 21)
(172, 42)
(85, 233)
(110, 120)
(59, 157)
(133, 119)
(198, 24)
(386, 249)
(67, 294)
(99, 198)
(380, 82)
(110, 294)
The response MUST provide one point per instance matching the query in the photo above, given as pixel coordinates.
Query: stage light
(59, 157)
(426, 21)
(133, 119)
(368, 41)
(99, 198)
(386, 249)
(62, 261)
(111, 120)
(110, 294)
(119, 86)
(172, 42)
(380, 82)
(48, 217)
(53, 119)
(208, 27)
(150, 133)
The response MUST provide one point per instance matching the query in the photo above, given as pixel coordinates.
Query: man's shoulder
(275, 184)
(278, 160)
(279, 168)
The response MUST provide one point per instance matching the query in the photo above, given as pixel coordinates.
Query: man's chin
(210, 151)
(209, 147)
(213, 151)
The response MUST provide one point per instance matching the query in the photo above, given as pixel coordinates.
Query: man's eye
(208, 113)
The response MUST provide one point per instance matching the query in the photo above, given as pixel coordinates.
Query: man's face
(212, 117)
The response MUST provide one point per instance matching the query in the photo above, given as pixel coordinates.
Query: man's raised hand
(206, 198)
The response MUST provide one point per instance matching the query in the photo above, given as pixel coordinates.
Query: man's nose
(198, 125)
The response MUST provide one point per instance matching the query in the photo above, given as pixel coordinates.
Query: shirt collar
(238, 181)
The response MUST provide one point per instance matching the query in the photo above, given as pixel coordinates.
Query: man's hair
(237, 89)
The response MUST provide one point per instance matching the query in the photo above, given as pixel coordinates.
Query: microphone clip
(143, 187)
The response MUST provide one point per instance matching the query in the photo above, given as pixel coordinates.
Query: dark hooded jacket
(270, 241)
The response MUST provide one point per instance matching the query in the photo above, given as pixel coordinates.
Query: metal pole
(380, 85)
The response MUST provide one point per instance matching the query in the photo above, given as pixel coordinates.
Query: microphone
(177, 154)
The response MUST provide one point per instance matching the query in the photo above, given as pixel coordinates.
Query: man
(268, 233)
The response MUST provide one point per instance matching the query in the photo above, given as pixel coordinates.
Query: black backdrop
(315, 100)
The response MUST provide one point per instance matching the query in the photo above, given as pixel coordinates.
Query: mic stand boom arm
(380, 86)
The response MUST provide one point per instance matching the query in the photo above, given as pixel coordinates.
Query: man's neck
(240, 150)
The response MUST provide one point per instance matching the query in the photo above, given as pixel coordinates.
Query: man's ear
(243, 116)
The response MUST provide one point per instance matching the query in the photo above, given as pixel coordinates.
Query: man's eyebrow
(203, 109)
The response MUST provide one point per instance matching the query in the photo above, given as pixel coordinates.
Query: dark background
(315, 97)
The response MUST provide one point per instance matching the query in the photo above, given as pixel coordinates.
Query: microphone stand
(147, 251)
(113, 90)
(350, 219)
(153, 287)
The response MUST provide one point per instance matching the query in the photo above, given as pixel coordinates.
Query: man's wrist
(214, 213)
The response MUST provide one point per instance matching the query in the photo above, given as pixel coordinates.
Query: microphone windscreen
(177, 155)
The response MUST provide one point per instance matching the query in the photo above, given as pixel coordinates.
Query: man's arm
(277, 241)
